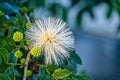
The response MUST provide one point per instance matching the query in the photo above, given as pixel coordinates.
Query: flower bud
(28, 25)
(18, 54)
(22, 61)
(1, 13)
(28, 73)
(17, 36)
(24, 10)
(28, 42)
(35, 51)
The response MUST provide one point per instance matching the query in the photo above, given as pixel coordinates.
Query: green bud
(1, 13)
(28, 42)
(28, 25)
(18, 54)
(31, 10)
(25, 47)
(24, 10)
(22, 61)
(18, 36)
(35, 51)
(28, 73)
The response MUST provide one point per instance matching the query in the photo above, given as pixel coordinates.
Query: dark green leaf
(21, 20)
(118, 28)
(109, 13)
(79, 19)
(64, 14)
(51, 67)
(8, 8)
(44, 75)
(2, 33)
(4, 77)
(0, 59)
(11, 73)
(75, 57)
(7, 43)
(5, 55)
(4, 68)
(71, 79)
(61, 73)
(74, 2)
(2, 42)
(41, 2)
(71, 69)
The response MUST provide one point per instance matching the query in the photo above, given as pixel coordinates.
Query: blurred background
(95, 24)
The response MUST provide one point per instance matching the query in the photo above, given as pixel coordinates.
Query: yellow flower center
(48, 37)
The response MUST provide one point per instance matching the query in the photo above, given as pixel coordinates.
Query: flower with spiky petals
(53, 37)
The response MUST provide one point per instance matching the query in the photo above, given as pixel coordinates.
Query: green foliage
(4, 67)
(70, 79)
(61, 73)
(44, 74)
(51, 67)
(4, 77)
(75, 57)
(5, 55)
(11, 73)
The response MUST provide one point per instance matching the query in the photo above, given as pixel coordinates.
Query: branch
(27, 18)
(28, 55)
(26, 65)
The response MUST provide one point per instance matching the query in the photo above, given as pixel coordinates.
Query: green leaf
(109, 13)
(64, 14)
(5, 55)
(71, 79)
(21, 20)
(8, 8)
(75, 57)
(7, 43)
(2, 42)
(4, 68)
(0, 59)
(11, 73)
(85, 77)
(71, 69)
(74, 2)
(2, 33)
(118, 28)
(4, 77)
(61, 73)
(51, 67)
(44, 75)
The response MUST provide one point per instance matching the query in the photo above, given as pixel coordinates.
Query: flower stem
(28, 55)
(26, 65)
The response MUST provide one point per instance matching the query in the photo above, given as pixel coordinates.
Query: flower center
(48, 37)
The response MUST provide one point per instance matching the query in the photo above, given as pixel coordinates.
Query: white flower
(53, 37)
